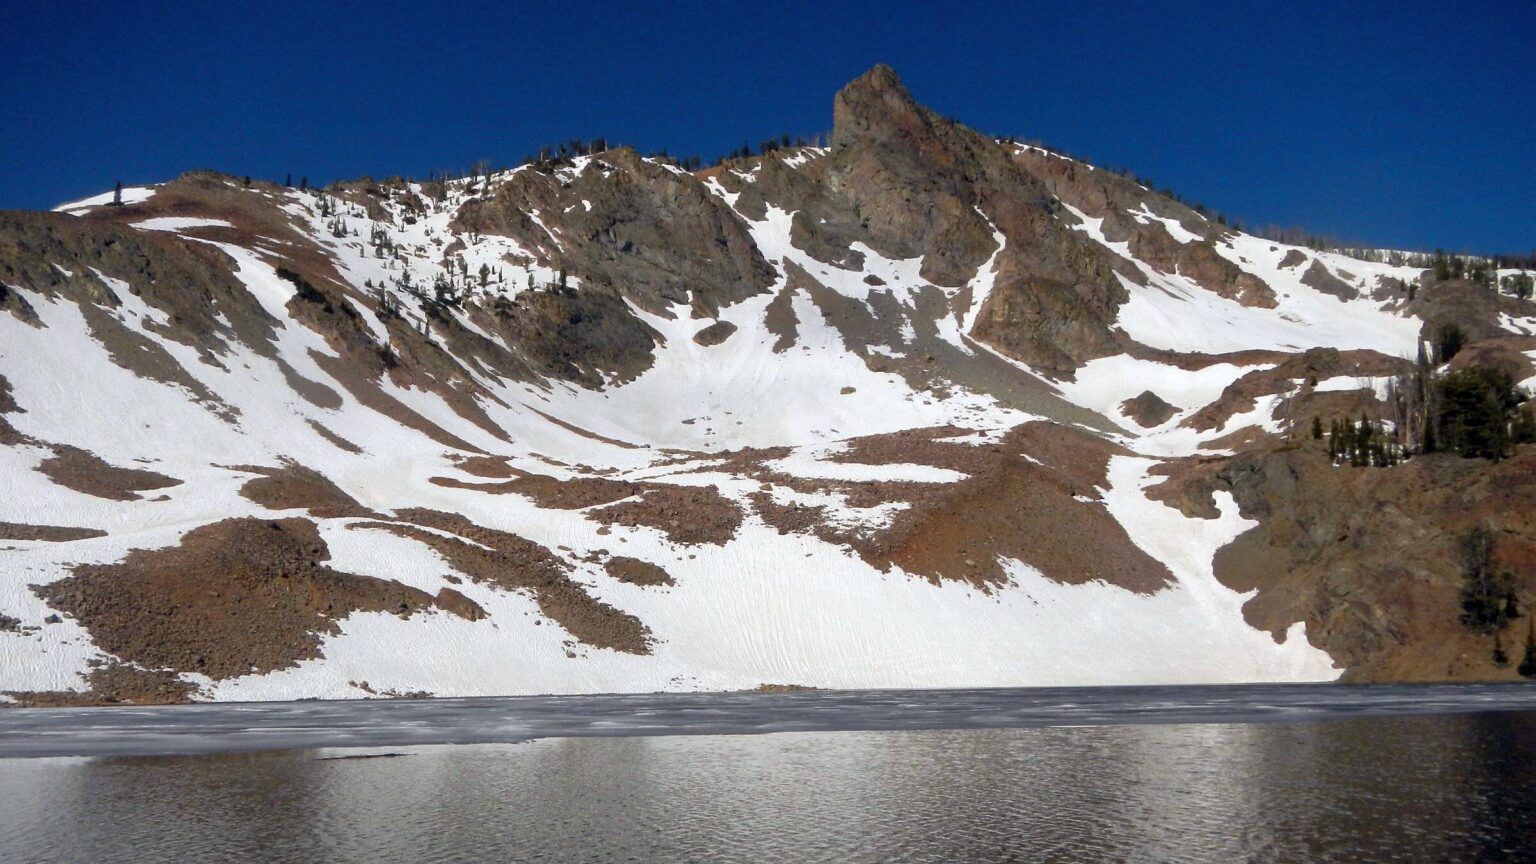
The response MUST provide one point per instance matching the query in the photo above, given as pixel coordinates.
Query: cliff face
(1372, 559)
(893, 412)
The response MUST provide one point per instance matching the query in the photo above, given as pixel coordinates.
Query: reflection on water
(1424, 789)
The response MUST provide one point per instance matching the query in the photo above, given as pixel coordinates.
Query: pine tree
(1523, 429)
(117, 194)
(1317, 428)
(1477, 407)
(1488, 601)
(1527, 666)
(1362, 452)
(1449, 340)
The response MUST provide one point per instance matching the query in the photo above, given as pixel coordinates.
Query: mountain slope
(921, 408)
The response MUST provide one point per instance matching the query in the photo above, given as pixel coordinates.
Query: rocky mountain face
(919, 408)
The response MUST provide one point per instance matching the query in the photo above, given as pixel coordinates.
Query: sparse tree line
(1484, 272)
(564, 154)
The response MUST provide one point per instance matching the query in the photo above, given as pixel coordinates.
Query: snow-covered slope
(513, 434)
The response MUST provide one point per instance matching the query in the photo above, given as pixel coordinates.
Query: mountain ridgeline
(921, 407)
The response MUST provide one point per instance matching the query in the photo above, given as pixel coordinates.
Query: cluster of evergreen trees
(1479, 414)
(1365, 444)
(1484, 271)
(1476, 412)
(1477, 269)
(1520, 285)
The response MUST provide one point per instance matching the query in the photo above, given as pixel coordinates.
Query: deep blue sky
(1396, 123)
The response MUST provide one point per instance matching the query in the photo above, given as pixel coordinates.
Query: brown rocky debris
(9, 437)
(114, 683)
(1009, 507)
(1298, 374)
(686, 514)
(293, 486)
(1046, 513)
(85, 472)
(1148, 409)
(489, 467)
(48, 533)
(575, 493)
(1293, 258)
(636, 572)
(1317, 276)
(234, 597)
(340, 442)
(511, 563)
(715, 333)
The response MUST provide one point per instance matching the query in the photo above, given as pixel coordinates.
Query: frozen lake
(213, 728)
(1271, 773)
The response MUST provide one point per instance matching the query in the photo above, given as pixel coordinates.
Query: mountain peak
(879, 78)
(871, 103)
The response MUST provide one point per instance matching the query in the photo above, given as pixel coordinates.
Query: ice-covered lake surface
(236, 727)
(1273, 773)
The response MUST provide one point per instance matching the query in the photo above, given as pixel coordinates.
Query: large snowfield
(764, 608)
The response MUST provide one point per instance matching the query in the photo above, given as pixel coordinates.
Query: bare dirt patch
(147, 358)
(48, 533)
(489, 467)
(1046, 513)
(512, 563)
(1318, 278)
(779, 318)
(1033, 496)
(636, 572)
(234, 597)
(1148, 409)
(113, 683)
(85, 472)
(715, 333)
(340, 442)
(9, 437)
(551, 492)
(292, 486)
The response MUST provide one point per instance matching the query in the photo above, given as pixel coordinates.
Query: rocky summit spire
(874, 105)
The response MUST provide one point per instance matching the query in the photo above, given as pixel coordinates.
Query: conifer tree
(1317, 428)
(1488, 601)
(1527, 666)
(117, 194)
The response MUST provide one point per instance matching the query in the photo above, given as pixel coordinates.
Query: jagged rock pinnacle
(874, 105)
